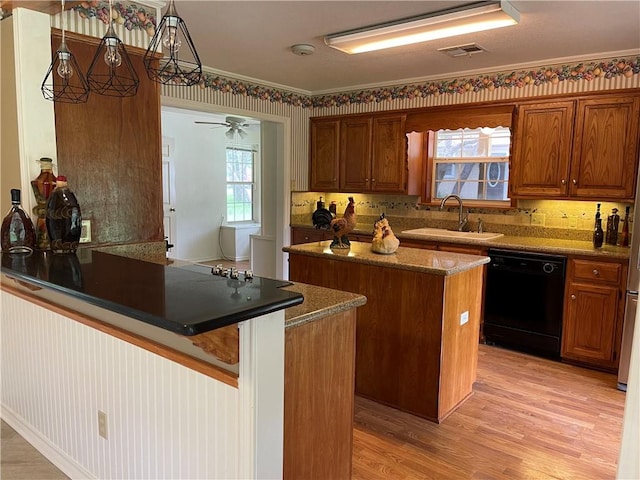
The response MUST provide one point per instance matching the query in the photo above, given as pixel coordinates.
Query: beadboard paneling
(161, 416)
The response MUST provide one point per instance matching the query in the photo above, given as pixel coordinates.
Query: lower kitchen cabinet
(307, 235)
(593, 313)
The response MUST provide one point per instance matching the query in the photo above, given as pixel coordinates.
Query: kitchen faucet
(463, 222)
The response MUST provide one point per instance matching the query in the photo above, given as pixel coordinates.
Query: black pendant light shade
(64, 81)
(111, 72)
(179, 64)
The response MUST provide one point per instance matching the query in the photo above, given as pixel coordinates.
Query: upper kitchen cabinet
(585, 148)
(605, 147)
(325, 154)
(542, 149)
(368, 152)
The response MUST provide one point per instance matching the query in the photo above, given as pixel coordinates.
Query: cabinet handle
(373, 179)
(306, 238)
(563, 181)
(573, 297)
(596, 272)
(575, 182)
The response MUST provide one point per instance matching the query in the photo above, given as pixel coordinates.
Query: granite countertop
(511, 242)
(405, 258)
(184, 300)
(319, 302)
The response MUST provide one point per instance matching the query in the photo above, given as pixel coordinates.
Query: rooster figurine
(384, 241)
(343, 226)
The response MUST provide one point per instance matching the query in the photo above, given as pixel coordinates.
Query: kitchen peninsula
(138, 343)
(417, 336)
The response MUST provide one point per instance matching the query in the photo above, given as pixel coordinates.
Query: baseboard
(51, 452)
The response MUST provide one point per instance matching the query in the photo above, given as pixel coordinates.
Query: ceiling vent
(462, 50)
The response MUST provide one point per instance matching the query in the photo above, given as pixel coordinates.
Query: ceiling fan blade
(212, 123)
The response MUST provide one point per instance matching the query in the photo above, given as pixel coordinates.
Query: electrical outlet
(537, 219)
(85, 234)
(102, 424)
(573, 222)
(464, 317)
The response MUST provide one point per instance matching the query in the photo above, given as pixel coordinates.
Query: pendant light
(67, 84)
(180, 64)
(111, 72)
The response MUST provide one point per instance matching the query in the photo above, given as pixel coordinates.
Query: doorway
(200, 188)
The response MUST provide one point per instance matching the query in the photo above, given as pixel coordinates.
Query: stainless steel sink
(443, 233)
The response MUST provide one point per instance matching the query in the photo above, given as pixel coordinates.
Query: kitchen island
(226, 402)
(417, 336)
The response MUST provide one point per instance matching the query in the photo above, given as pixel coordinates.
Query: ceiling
(253, 38)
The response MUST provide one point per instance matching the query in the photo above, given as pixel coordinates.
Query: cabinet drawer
(596, 271)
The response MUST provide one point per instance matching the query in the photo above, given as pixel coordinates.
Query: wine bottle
(18, 232)
(598, 234)
(613, 222)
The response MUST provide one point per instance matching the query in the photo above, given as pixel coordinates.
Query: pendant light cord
(64, 22)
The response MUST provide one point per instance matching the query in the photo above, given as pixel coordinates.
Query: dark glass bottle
(624, 236)
(64, 220)
(613, 222)
(18, 232)
(598, 234)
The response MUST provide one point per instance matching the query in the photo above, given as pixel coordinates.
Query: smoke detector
(303, 49)
(462, 50)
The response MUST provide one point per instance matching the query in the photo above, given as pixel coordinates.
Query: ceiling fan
(235, 124)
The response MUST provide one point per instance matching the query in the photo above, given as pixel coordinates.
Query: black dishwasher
(524, 300)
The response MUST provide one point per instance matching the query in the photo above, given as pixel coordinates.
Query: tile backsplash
(573, 220)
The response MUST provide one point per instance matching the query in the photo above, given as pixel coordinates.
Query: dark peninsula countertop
(181, 299)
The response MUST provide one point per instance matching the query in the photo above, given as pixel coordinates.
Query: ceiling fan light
(475, 17)
(242, 133)
(229, 133)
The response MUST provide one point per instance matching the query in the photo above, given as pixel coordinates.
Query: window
(472, 163)
(240, 180)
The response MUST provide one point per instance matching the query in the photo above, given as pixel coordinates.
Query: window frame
(462, 159)
(252, 183)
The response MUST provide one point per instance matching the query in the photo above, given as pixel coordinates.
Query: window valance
(459, 117)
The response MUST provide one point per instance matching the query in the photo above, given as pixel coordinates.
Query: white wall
(200, 181)
(161, 416)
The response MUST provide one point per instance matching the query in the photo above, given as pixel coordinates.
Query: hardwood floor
(21, 461)
(529, 418)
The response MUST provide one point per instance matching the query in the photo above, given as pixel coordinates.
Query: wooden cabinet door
(605, 147)
(542, 150)
(355, 154)
(389, 156)
(589, 327)
(324, 154)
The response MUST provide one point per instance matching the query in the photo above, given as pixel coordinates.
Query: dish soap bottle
(18, 232)
(64, 220)
(598, 234)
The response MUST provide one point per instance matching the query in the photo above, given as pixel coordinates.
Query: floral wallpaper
(132, 16)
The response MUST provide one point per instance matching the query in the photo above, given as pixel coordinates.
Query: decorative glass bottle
(624, 237)
(63, 218)
(18, 233)
(42, 187)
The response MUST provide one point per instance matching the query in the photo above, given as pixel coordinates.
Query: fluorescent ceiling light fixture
(474, 17)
